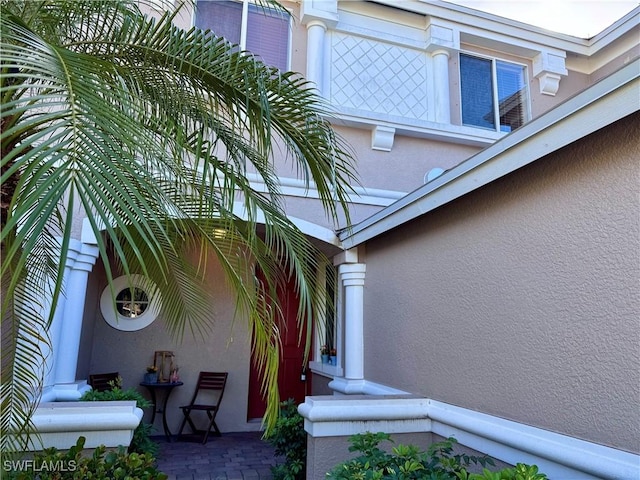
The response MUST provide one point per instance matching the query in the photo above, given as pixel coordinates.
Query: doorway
(290, 380)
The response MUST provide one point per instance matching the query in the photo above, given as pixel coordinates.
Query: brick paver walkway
(233, 456)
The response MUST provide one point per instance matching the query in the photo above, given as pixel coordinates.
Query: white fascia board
(630, 22)
(487, 21)
(609, 100)
(590, 64)
(473, 26)
(514, 29)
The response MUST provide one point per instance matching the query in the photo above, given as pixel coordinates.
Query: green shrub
(51, 464)
(519, 472)
(290, 440)
(141, 441)
(407, 462)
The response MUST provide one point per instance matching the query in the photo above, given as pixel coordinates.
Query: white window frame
(494, 86)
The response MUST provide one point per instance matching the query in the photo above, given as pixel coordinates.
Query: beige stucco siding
(521, 300)
(403, 168)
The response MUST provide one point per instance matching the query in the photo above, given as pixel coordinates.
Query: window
(261, 30)
(137, 303)
(330, 338)
(493, 93)
(326, 331)
(132, 302)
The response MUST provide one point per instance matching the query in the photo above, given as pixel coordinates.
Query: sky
(580, 18)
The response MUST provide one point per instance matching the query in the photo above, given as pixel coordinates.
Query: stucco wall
(226, 348)
(521, 300)
(320, 385)
(403, 168)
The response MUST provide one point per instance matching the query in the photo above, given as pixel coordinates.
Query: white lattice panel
(379, 77)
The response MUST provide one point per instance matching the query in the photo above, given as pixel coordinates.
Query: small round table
(167, 388)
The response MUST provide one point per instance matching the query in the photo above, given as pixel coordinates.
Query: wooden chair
(100, 381)
(209, 389)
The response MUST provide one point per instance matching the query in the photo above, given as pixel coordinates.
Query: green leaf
(151, 132)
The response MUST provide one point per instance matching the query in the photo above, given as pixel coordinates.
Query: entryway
(290, 376)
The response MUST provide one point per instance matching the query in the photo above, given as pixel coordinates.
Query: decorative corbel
(548, 68)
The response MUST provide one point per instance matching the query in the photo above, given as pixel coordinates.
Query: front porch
(236, 455)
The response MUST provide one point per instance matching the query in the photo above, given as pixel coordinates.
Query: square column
(352, 278)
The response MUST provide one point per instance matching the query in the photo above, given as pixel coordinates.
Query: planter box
(59, 424)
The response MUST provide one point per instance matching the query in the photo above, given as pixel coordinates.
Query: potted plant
(333, 357)
(152, 374)
(324, 353)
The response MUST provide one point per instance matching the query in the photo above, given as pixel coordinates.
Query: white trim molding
(308, 228)
(64, 392)
(330, 416)
(362, 387)
(560, 457)
(295, 187)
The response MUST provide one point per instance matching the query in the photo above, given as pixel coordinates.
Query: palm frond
(150, 132)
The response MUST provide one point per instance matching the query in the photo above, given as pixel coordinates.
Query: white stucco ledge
(65, 392)
(328, 416)
(559, 456)
(59, 424)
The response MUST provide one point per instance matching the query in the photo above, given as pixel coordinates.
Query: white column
(56, 326)
(352, 276)
(441, 86)
(315, 52)
(68, 346)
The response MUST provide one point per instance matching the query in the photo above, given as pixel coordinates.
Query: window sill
(325, 369)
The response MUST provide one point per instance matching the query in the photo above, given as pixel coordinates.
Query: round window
(136, 305)
(132, 302)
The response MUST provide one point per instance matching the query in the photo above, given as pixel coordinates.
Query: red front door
(290, 383)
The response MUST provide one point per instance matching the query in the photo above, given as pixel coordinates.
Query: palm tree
(149, 131)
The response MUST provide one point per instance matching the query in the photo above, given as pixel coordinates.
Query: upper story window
(494, 93)
(261, 30)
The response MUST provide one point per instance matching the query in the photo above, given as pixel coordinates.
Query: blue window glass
(511, 95)
(477, 92)
(477, 82)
